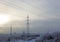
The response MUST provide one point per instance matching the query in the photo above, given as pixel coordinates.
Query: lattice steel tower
(28, 24)
(11, 30)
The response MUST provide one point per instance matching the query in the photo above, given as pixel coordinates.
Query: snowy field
(42, 38)
(23, 41)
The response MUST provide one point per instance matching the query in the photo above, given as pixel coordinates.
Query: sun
(4, 19)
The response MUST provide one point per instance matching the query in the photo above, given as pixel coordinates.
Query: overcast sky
(44, 15)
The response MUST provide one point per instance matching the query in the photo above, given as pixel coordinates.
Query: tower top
(27, 16)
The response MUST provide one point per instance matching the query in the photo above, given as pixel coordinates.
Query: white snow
(22, 41)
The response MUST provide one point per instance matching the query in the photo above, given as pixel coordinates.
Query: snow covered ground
(22, 41)
(42, 38)
(33, 40)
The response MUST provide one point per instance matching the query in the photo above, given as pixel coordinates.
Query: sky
(44, 15)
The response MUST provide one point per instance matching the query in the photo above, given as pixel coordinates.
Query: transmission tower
(11, 30)
(27, 24)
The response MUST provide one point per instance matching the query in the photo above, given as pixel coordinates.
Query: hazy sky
(44, 15)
